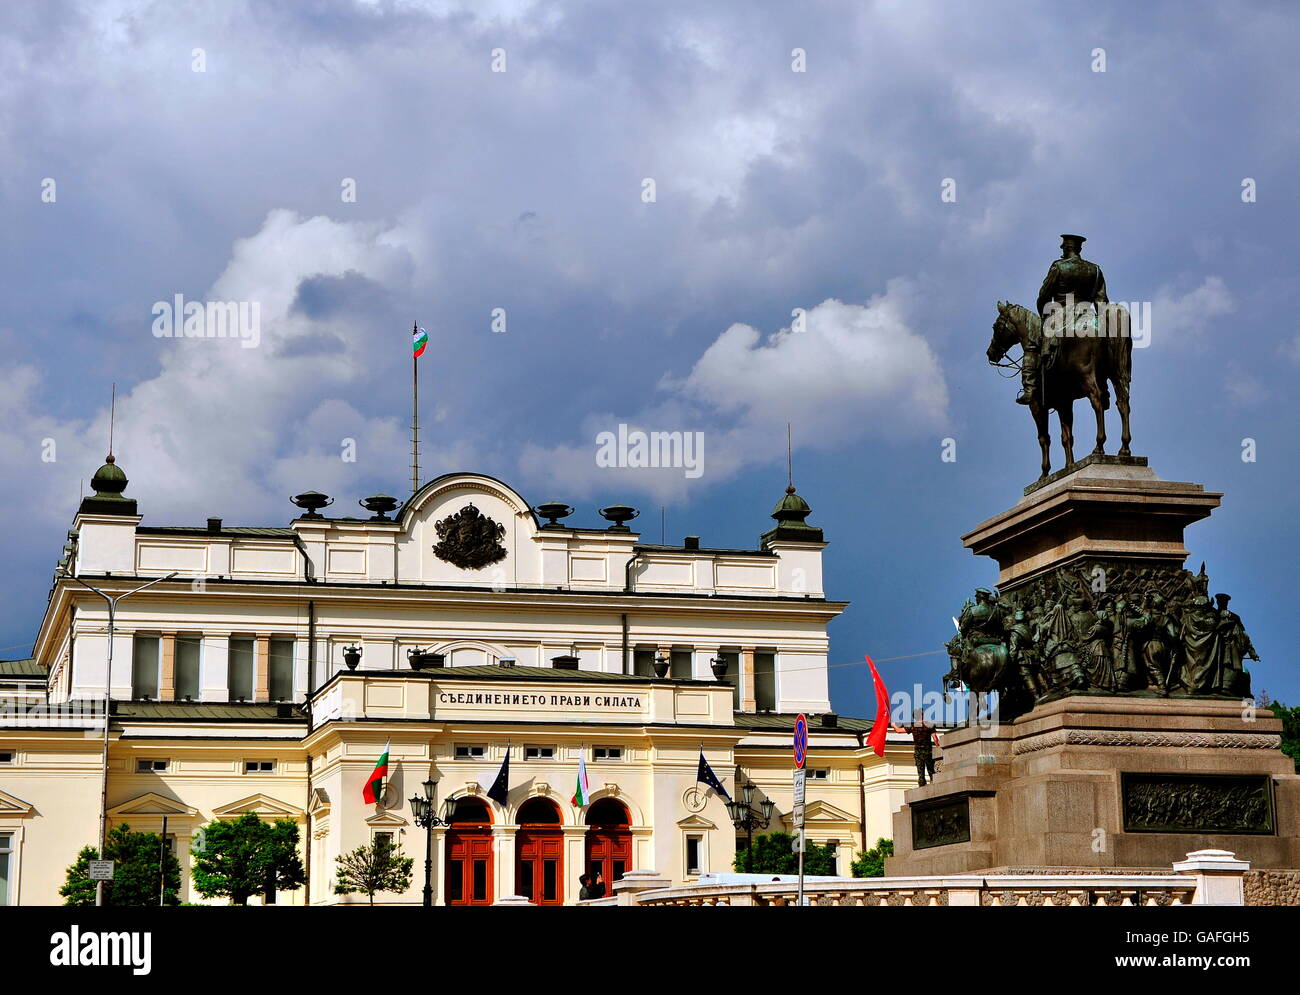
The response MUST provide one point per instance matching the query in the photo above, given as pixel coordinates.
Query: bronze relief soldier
(1234, 648)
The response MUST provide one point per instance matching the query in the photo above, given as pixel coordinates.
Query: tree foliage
(1290, 717)
(772, 855)
(246, 857)
(871, 863)
(371, 869)
(135, 872)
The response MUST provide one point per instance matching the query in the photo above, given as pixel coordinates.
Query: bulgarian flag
(375, 782)
(582, 793)
(419, 341)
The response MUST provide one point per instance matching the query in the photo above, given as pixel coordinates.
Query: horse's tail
(1119, 357)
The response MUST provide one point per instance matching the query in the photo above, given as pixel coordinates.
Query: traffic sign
(101, 870)
(800, 741)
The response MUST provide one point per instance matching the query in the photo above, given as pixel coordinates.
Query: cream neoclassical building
(233, 690)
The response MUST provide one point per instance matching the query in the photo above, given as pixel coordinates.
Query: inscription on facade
(1198, 803)
(526, 699)
(940, 825)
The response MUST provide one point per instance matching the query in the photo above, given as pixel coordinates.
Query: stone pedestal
(1110, 783)
(1104, 508)
(1131, 781)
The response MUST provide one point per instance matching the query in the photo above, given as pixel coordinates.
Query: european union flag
(705, 774)
(500, 789)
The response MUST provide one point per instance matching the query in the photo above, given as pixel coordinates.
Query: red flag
(879, 728)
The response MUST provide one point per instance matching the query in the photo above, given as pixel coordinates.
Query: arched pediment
(471, 529)
(449, 487)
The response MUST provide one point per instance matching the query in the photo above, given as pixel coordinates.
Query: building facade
(266, 669)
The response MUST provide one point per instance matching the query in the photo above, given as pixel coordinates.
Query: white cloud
(233, 431)
(1185, 318)
(856, 370)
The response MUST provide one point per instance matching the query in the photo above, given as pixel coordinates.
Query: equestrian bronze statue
(1077, 345)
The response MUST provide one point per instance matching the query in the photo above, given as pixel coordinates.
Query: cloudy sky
(211, 149)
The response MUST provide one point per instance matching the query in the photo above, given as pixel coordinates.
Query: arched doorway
(608, 845)
(468, 879)
(539, 853)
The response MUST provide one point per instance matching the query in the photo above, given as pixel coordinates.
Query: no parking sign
(800, 741)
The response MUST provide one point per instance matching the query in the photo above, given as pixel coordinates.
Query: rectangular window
(469, 751)
(386, 836)
(819, 773)
(480, 880)
(150, 766)
(765, 681)
(607, 753)
(6, 866)
(280, 677)
(188, 653)
(694, 851)
(835, 856)
(539, 752)
(259, 766)
(242, 649)
(6, 757)
(549, 879)
(455, 880)
(680, 664)
(144, 667)
(643, 663)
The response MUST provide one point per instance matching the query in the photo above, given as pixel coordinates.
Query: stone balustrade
(1206, 877)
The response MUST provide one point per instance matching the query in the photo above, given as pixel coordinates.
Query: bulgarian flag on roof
(375, 782)
(582, 793)
(419, 340)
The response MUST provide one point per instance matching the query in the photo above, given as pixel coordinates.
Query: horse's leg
(1120, 379)
(1040, 414)
(1121, 403)
(1066, 415)
(1094, 398)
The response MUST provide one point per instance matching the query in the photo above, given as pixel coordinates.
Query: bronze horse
(1082, 367)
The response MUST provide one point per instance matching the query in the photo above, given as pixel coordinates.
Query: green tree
(871, 863)
(246, 857)
(1290, 717)
(773, 855)
(135, 871)
(374, 868)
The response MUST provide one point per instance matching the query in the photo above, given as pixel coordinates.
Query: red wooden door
(539, 865)
(609, 850)
(469, 867)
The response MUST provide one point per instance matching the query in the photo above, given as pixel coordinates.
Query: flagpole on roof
(415, 412)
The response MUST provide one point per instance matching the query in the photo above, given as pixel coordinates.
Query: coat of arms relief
(470, 539)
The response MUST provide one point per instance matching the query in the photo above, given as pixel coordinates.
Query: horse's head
(1005, 334)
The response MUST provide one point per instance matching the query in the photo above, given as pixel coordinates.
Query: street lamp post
(745, 816)
(108, 689)
(422, 810)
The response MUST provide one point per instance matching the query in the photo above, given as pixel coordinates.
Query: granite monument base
(1128, 783)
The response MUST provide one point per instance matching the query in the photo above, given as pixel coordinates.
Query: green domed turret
(108, 482)
(790, 513)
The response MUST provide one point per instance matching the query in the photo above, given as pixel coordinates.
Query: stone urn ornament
(662, 663)
(719, 667)
(423, 660)
(352, 656)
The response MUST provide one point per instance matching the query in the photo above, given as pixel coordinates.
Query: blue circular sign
(800, 741)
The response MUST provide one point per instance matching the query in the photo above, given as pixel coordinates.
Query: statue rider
(1072, 284)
